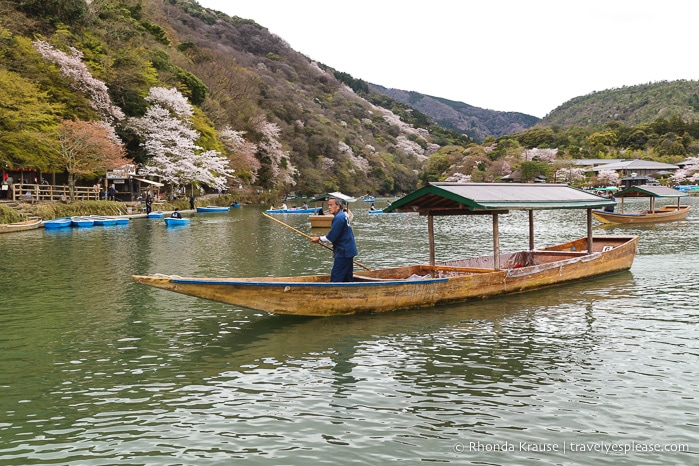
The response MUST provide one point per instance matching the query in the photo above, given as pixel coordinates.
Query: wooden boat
(212, 209)
(157, 214)
(435, 283)
(61, 222)
(25, 225)
(174, 222)
(83, 222)
(325, 220)
(667, 213)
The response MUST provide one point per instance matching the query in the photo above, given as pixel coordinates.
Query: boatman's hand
(315, 239)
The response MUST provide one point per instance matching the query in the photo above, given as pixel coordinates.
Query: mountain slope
(475, 122)
(630, 105)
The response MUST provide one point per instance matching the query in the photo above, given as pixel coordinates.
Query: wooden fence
(25, 192)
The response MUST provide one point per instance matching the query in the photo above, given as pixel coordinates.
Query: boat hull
(292, 211)
(412, 286)
(321, 221)
(212, 209)
(21, 226)
(174, 222)
(62, 222)
(661, 215)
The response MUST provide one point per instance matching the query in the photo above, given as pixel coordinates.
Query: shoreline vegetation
(51, 210)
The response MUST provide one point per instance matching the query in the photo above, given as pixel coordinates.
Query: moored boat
(213, 209)
(82, 221)
(157, 214)
(25, 225)
(61, 222)
(103, 221)
(666, 213)
(426, 285)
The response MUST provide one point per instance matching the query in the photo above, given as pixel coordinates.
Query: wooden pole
(309, 237)
(430, 232)
(589, 231)
(496, 242)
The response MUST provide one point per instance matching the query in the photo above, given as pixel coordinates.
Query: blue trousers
(343, 269)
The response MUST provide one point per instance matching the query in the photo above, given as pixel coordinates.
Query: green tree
(26, 117)
(530, 170)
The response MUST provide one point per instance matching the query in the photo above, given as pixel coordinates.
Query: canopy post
(589, 231)
(496, 242)
(430, 231)
(531, 230)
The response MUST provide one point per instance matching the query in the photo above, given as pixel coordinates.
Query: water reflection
(95, 369)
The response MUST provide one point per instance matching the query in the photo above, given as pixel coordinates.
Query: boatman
(342, 238)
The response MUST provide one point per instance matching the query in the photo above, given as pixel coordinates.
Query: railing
(26, 192)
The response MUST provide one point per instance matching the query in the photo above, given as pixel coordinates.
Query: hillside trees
(26, 115)
(86, 147)
(170, 141)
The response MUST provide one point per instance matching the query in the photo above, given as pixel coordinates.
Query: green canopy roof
(481, 198)
(649, 191)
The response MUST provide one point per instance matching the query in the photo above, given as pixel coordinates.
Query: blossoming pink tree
(168, 137)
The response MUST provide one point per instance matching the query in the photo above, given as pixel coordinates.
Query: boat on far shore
(21, 226)
(210, 209)
(82, 221)
(60, 222)
(666, 213)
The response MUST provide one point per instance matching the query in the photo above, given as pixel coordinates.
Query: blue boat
(235, 204)
(61, 222)
(122, 220)
(176, 222)
(82, 222)
(377, 211)
(103, 221)
(157, 214)
(212, 209)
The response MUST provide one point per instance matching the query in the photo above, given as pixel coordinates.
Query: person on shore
(149, 204)
(342, 238)
(191, 202)
(176, 213)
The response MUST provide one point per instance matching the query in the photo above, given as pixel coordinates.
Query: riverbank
(17, 212)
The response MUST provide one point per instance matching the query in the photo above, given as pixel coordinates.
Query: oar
(309, 237)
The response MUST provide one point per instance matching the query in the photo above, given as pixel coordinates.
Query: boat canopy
(326, 196)
(491, 198)
(650, 191)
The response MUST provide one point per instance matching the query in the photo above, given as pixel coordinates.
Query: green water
(97, 370)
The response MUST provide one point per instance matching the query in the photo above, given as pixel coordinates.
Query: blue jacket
(342, 236)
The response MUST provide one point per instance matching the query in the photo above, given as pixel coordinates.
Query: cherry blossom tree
(88, 147)
(168, 137)
(243, 151)
(570, 174)
(270, 151)
(608, 177)
(81, 79)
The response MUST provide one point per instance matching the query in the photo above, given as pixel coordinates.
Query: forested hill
(284, 122)
(629, 105)
(476, 122)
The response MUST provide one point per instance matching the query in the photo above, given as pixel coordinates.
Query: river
(97, 370)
